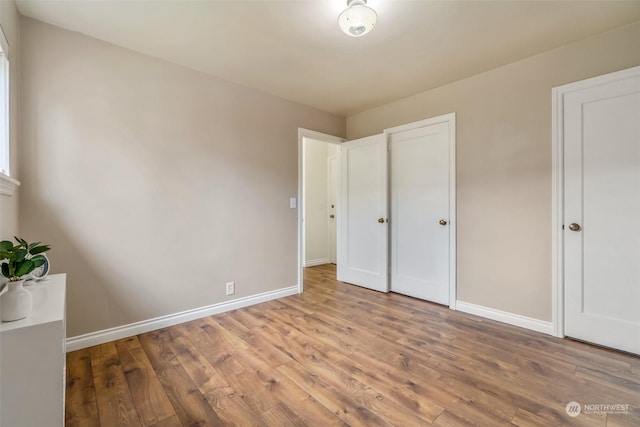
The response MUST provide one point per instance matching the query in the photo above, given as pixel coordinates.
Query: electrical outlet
(231, 288)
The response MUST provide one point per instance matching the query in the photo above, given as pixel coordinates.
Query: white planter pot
(16, 303)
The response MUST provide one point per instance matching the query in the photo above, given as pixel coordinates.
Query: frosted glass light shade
(357, 19)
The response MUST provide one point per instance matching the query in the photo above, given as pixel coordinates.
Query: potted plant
(18, 261)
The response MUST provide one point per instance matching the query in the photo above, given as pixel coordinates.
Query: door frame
(557, 179)
(449, 118)
(311, 134)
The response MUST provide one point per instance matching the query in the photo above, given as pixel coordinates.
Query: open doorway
(318, 192)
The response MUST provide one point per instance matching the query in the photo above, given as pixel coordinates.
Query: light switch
(293, 203)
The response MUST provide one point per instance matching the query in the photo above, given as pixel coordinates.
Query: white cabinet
(32, 364)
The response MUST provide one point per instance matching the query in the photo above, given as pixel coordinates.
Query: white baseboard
(314, 262)
(124, 331)
(506, 317)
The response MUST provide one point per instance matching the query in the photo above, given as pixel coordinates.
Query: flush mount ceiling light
(357, 19)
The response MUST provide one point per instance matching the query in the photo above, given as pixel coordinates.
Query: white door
(420, 218)
(362, 213)
(332, 189)
(602, 210)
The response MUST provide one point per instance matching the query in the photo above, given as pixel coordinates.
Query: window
(4, 106)
(7, 184)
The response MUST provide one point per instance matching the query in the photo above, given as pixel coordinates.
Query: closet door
(362, 213)
(601, 119)
(421, 262)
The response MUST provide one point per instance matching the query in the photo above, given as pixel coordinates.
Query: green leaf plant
(20, 259)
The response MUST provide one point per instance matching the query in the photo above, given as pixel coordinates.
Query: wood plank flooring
(341, 355)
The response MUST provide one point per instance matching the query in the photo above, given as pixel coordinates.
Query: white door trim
(557, 201)
(449, 118)
(307, 133)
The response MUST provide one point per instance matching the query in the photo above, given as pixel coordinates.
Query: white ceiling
(295, 50)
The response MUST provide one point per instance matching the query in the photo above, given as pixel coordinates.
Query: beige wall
(153, 183)
(504, 165)
(10, 21)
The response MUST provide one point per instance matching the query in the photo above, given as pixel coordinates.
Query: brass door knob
(381, 220)
(442, 222)
(574, 227)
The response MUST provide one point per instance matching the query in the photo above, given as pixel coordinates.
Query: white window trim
(8, 185)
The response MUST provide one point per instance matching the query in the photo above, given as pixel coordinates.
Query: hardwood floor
(343, 355)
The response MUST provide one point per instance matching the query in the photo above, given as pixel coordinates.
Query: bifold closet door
(420, 217)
